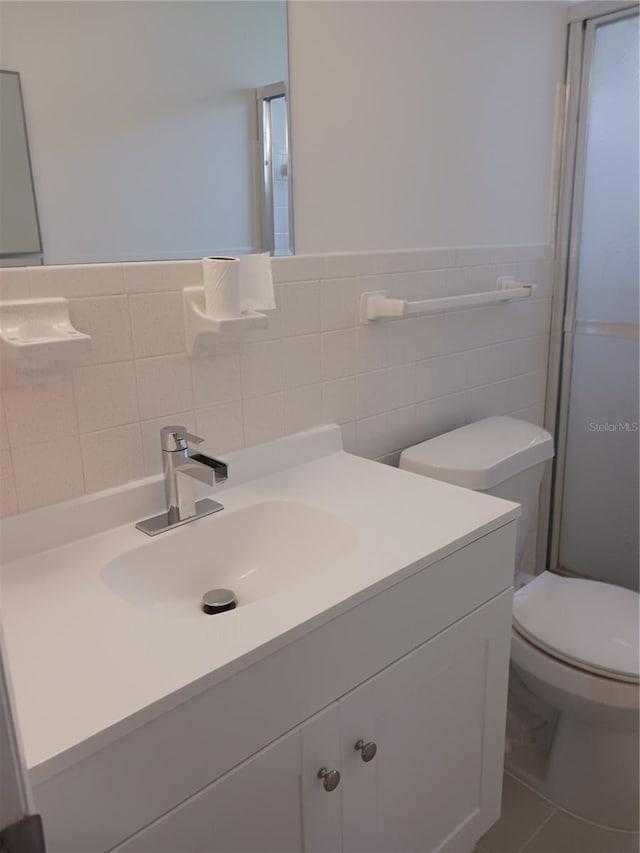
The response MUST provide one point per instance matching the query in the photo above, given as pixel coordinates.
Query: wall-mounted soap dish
(37, 338)
(203, 331)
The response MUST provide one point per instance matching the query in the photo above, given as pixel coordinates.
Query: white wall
(422, 123)
(389, 384)
(142, 122)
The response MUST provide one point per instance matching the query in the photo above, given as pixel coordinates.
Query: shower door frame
(584, 19)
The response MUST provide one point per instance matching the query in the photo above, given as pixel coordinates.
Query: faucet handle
(175, 437)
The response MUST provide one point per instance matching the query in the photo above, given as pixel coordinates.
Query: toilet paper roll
(221, 287)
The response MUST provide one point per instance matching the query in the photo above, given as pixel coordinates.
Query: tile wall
(390, 384)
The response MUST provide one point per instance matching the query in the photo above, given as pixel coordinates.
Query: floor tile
(523, 812)
(566, 834)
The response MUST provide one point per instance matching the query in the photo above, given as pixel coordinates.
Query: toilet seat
(590, 625)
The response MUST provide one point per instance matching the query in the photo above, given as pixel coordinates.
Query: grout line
(536, 831)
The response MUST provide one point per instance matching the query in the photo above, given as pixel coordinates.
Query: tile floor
(530, 824)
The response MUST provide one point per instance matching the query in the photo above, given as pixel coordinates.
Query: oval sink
(256, 552)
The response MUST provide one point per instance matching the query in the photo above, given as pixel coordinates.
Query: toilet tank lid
(589, 624)
(482, 454)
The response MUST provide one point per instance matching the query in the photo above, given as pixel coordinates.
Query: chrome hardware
(367, 750)
(331, 779)
(181, 466)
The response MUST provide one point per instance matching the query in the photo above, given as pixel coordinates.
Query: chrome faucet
(181, 466)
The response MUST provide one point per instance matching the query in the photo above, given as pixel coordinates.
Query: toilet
(572, 730)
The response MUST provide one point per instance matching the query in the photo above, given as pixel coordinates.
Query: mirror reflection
(19, 229)
(145, 124)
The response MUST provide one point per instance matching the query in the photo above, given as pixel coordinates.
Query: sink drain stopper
(218, 601)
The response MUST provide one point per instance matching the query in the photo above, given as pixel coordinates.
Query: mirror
(19, 228)
(144, 124)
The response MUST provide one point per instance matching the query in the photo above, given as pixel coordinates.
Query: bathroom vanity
(354, 700)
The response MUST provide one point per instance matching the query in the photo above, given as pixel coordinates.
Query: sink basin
(256, 552)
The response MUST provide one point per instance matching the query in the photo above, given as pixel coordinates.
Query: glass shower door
(598, 532)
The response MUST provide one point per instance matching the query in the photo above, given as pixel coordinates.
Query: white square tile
(372, 347)
(462, 331)
(427, 336)
(216, 379)
(111, 457)
(339, 400)
(105, 395)
(150, 434)
(527, 355)
(274, 319)
(391, 261)
(154, 276)
(375, 393)
(44, 475)
(401, 285)
(263, 418)
(485, 276)
(298, 268)
(428, 380)
(533, 414)
(338, 354)
(14, 283)
(403, 341)
(372, 436)
(301, 361)
(106, 319)
(8, 496)
(303, 408)
(455, 372)
(340, 303)
(76, 280)
(261, 368)
(527, 318)
(347, 265)
(458, 281)
(402, 428)
(525, 390)
(221, 427)
(433, 284)
(157, 323)
(438, 258)
(300, 305)
(476, 255)
(442, 415)
(40, 411)
(486, 401)
(403, 385)
(164, 385)
(488, 364)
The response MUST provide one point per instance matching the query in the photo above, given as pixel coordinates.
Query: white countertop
(88, 666)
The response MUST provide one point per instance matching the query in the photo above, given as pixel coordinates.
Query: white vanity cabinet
(272, 803)
(419, 667)
(436, 717)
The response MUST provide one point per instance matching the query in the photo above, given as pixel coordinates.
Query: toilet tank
(501, 456)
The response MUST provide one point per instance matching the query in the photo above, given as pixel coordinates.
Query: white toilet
(573, 696)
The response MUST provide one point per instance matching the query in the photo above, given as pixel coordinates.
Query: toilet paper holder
(203, 332)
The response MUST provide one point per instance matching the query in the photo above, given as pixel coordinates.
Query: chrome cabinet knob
(330, 778)
(367, 750)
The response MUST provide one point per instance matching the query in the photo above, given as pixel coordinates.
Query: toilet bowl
(573, 698)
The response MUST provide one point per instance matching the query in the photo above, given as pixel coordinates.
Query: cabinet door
(437, 717)
(272, 803)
